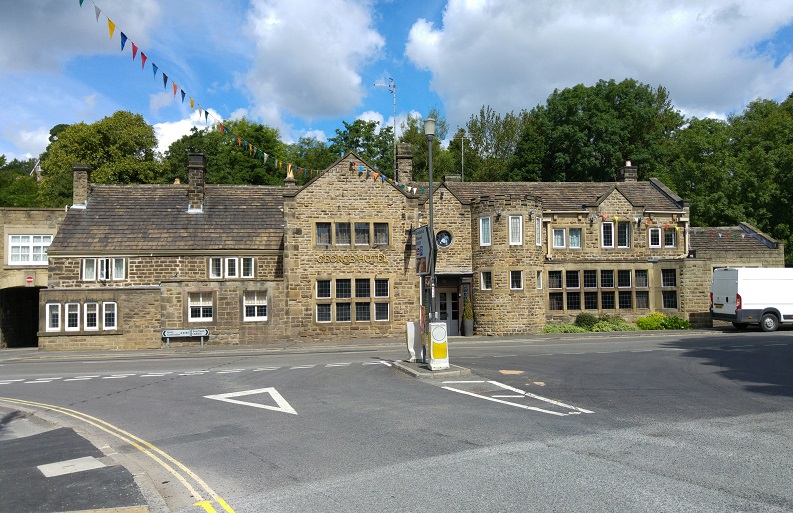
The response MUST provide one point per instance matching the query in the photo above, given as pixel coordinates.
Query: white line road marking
(81, 378)
(523, 406)
(337, 364)
(278, 398)
(265, 369)
(482, 381)
(193, 373)
(539, 397)
(231, 371)
(518, 394)
(377, 363)
(302, 367)
(505, 356)
(118, 376)
(155, 374)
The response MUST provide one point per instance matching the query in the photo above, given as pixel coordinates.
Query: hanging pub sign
(425, 251)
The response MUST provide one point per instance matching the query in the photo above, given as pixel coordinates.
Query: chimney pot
(81, 179)
(196, 171)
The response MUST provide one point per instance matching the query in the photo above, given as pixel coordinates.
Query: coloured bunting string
(252, 150)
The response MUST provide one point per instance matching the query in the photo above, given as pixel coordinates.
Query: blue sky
(304, 66)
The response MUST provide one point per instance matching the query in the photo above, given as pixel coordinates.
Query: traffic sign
(196, 332)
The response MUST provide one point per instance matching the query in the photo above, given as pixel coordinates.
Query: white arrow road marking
(574, 410)
(279, 400)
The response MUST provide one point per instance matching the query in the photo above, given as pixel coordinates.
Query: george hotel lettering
(352, 259)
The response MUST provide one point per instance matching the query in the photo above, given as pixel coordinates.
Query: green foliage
(119, 148)
(468, 310)
(676, 323)
(659, 321)
(369, 140)
(494, 139)
(413, 133)
(585, 320)
(228, 162)
(17, 188)
(563, 328)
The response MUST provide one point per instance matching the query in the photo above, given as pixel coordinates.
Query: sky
(305, 66)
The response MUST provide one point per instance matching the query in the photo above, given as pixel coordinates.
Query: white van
(752, 295)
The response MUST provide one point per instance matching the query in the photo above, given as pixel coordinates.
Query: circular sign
(29, 279)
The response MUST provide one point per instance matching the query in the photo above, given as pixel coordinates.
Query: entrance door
(448, 308)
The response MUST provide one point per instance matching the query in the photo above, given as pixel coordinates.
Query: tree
(413, 134)
(587, 133)
(229, 161)
(120, 149)
(494, 140)
(17, 187)
(369, 140)
(463, 155)
(310, 153)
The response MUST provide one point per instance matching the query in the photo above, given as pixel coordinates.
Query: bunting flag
(175, 88)
(183, 95)
(123, 41)
(143, 60)
(134, 51)
(192, 103)
(97, 12)
(81, 3)
(154, 68)
(164, 81)
(111, 27)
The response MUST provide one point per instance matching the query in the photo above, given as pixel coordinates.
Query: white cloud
(511, 55)
(158, 101)
(172, 131)
(308, 57)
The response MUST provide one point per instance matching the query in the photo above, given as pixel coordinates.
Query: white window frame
(520, 287)
(388, 286)
(86, 307)
(558, 231)
(216, 268)
(603, 225)
(252, 264)
(627, 226)
(482, 280)
(539, 280)
(28, 248)
(89, 275)
(50, 309)
(259, 299)
(330, 289)
(200, 303)
(68, 307)
(673, 232)
(330, 312)
(232, 268)
(538, 231)
(580, 238)
(516, 239)
(109, 307)
(657, 232)
(387, 317)
(336, 234)
(384, 230)
(485, 231)
(107, 269)
(368, 233)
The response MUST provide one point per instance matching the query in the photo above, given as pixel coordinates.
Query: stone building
(334, 259)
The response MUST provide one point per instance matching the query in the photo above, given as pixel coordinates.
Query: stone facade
(335, 258)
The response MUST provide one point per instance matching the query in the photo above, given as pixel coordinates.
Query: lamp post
(429, 133)
(462, 138)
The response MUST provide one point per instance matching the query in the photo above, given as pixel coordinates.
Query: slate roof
(572, 196)
(135, 219)
(730, 238)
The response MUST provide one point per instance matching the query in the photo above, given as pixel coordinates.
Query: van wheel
(769, 322)
(740, 325)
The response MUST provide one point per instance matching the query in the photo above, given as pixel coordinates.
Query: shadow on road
(759, 362)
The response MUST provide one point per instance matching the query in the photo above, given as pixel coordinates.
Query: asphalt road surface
(695, 421)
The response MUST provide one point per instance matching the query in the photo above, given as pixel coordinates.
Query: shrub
(585, 320)
(563, 328)
(675, 323)
(602, 326)
(654, 321)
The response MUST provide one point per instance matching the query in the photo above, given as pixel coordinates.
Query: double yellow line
(163, 459)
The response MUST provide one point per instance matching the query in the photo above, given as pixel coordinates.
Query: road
(685, 421)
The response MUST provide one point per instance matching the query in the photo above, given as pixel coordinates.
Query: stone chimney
(80, 185)
(404, 172)
(628, 173)
(196, 171)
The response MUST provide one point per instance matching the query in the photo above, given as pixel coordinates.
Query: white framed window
(255, 305)
(89, 269)
(575, 238)
(323, 289)
(343, 237)
(28, 249)
(670, 238)
(515, 230)
(381, 287)
(322, 234)
(381, 234)
(108, 269)
(248, 269)
(623, 234)
(53, 317)
(343, 312)
(484, 231)
(486, 280)
(91, 316)
(539, 280)
(215, 267)
(382, 311)
(363, 312)
(361, 234)
(231, 268)
(538, 231)
(559, 237)
(607, 235)
(323, 312)
(199, 307)
(516, 280)
(109, 316)
(655, 237)
(72, 317)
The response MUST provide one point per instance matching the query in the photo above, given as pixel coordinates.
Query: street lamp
(429, 133)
